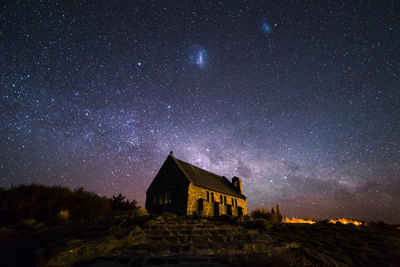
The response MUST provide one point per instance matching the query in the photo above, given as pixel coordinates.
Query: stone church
(184, 189)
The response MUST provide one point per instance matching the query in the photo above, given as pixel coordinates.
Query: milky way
(96, 94)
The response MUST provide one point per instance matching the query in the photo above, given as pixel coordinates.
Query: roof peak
(204, 178)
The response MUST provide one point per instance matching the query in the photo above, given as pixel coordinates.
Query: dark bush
(382, 224)
(262, 224)
(45, 203)
(121, 203)
(263, 214)
(324, 221)
(259, 213)
(278, 213)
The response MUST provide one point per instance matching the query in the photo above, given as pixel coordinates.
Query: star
(305, 114)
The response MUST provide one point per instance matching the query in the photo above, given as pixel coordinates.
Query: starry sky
(299, 98)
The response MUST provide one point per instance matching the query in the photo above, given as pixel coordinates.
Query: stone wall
(196, 193)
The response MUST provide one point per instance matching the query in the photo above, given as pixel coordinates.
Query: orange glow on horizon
(346, 221)
(297, 220)
(341, 220)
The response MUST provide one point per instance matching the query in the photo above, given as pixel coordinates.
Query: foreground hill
(55, 226)
(127, 240)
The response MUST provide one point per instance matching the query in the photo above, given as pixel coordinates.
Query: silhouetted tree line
(121, 203)
(43, 202)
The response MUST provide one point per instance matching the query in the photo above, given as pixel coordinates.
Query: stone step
(152, 261)
(201, 232)
(182, 239)
(196, 232)
(187, 228)
(190, 226)
(183, 255)
(201, 248)
(194, 225)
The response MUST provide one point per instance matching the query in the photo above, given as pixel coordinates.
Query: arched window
(225, 200)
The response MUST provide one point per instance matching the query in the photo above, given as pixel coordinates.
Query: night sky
(301, 99)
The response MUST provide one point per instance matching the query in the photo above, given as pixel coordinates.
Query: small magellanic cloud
(266, 28)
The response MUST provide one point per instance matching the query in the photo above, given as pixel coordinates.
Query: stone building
(184, 189)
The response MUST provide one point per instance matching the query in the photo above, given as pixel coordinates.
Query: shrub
(121, 203)
(324, 221)
(263, 214)
(63, 215)
(278, 213)
(262, 224)
(259, 213)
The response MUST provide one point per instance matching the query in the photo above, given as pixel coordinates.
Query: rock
(136, 230)
(268, 238)
(246, 247)
(188, 250)
(159, 219)
(175, 249)
(169, 216)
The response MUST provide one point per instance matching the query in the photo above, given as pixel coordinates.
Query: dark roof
(206, 179)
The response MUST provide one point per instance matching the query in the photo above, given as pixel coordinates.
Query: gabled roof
(206, 179)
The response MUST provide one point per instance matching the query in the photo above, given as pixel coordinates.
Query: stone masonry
(198, 194)
(184, 189)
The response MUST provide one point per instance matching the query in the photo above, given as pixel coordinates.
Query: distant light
(139, 63)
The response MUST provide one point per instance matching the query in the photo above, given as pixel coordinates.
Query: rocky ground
(193, 243)
(179, 241)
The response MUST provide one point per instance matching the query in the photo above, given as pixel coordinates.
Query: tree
(273, 211)
(278, 213)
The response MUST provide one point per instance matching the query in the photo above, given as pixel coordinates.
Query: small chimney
(237, 185)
